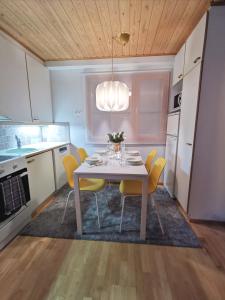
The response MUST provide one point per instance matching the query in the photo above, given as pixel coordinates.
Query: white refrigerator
(171, 152)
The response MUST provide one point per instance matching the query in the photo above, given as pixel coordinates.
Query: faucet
(18, 141)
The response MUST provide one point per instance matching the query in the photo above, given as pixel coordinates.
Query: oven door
(177, 102)
(24, 178)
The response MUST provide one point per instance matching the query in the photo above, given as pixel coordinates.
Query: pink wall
(146, 118)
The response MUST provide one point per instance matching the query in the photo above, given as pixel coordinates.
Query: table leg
(77, 204)
(144, 204)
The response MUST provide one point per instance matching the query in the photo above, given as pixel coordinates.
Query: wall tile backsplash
(55, 133)
(31, 134)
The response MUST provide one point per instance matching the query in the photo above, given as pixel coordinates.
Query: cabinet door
(41, 177)
(14, 94)
(170, 168)
(186, 134)
(60, 174)
(179, 65)
(194, 46)
(40, 94)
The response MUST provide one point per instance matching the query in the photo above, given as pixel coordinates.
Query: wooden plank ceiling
(82, 29)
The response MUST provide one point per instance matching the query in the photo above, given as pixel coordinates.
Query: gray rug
(177, 230)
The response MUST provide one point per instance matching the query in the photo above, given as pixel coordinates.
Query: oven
(8, 170)
(177, 102)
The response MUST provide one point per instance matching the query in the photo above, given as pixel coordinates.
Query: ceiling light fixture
(113, 95)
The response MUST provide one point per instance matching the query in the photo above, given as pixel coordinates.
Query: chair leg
(96, 199)
(157, 212)
(66, 204)
(122, 210)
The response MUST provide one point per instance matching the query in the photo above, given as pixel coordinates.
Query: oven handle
(23, 174)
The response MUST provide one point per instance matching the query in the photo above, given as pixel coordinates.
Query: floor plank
(45, 268)
(212, 236)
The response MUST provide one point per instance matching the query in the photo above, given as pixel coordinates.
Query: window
(145, 120)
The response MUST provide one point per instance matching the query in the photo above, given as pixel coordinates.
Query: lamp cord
(112, 58)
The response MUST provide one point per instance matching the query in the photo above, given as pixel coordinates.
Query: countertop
(33, 149)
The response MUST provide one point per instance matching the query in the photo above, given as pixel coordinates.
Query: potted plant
(116, 138)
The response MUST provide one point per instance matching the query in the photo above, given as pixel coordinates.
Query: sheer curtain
(145, 120)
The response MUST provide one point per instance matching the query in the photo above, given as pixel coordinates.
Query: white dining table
(113, 170)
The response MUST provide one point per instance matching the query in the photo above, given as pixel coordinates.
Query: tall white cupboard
(200, 176)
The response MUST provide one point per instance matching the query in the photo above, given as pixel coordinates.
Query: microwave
(177, 101)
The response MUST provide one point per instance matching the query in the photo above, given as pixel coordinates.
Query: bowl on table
(101, 151)
(93, 160)
(134, 161)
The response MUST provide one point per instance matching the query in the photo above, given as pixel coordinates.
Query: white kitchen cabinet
(170, 168)
(178, 69)
(14, 93)
(41, 177)
(194, 46)
(40, 92)
(173, 124)
(186, 134)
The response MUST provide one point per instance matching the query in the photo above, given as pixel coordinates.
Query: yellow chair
(86, 184)
(82, 154)
(149, 159)
(134, 188)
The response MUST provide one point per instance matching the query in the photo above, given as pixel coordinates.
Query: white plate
(92, 160)
(134, 159)
(133, 152)
(139, 163)
(101, 151)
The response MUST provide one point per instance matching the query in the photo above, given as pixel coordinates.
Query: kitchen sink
(20, 151)
(5, 157)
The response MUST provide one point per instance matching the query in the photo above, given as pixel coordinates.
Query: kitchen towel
(13, 194)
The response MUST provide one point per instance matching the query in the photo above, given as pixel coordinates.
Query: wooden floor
(57, 269)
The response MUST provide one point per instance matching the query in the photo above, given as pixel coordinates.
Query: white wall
(68, 93)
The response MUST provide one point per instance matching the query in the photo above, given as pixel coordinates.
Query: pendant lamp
(113, 95)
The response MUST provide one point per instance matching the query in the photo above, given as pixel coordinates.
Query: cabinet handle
(197, 59)
(30, 161)
(189, 144)
(179, 76)
(35, 118)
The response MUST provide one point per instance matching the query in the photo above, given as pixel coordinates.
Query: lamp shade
(112, 96)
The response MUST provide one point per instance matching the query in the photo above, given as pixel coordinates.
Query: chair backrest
(82, 154)
(156, 173)
(70, 164)
(149, 160)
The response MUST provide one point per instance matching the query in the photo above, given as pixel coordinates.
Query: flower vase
(117, 147)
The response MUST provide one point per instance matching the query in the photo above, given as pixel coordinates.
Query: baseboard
(182, 211)
(207, 222)
(43, 205)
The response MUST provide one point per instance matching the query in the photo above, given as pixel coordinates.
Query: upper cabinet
(194, 46)
(14, 93)
(40, 94)
(178, 71)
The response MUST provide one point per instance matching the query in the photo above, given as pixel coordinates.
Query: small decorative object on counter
(116, 138)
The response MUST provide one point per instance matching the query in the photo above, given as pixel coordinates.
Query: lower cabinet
(41, 177)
